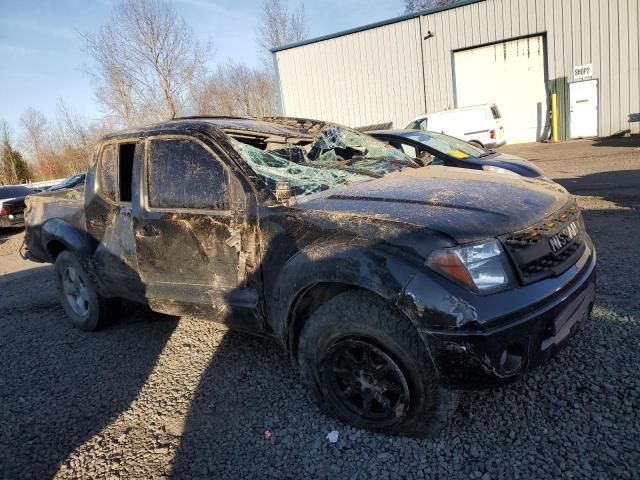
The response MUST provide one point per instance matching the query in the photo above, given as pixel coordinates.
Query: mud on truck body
(391, 285)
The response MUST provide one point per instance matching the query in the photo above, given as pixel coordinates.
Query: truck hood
(467, 205)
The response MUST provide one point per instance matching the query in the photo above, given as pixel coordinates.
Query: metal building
(514, 53)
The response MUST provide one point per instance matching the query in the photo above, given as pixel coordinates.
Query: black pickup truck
(392, 285)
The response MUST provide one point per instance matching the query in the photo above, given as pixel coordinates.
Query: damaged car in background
(432, 148)
(12, 204)
(391, 285)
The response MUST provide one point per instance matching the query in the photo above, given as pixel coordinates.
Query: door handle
(150, 231)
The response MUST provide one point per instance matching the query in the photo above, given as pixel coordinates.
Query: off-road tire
(99, 309)
(361, 317)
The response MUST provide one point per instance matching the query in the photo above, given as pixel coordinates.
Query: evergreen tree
(13, 168)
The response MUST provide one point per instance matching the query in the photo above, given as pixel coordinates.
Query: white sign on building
(582, 71)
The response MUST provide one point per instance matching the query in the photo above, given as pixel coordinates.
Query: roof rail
(204, 117)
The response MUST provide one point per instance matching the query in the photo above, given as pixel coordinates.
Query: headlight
(482, 267)
(492, 169)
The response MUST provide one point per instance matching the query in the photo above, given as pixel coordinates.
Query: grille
(531, 251)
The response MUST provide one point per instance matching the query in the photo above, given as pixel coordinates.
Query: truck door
(189, 233)
(109, 221)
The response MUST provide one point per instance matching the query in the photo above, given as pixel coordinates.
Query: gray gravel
(151, 396)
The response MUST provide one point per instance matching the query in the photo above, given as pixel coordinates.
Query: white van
(479, 124)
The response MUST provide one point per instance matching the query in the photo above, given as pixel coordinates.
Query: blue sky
(42, 60)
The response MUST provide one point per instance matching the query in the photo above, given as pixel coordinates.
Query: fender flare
(73, 239)
(358, 267)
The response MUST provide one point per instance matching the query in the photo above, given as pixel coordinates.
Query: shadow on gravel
(616, 186)
(632, 141)
(249, 387)
(7, 233)
(60, 386)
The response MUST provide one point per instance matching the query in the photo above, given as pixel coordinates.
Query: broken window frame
(215, 156)
(97, 187)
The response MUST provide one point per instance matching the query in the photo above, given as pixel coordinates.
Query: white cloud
(9, 49)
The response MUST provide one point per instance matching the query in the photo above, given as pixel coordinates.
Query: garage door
(511, 75)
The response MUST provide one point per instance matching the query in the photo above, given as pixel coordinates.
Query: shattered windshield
(336, 156)
(340, 147)
(304, 180)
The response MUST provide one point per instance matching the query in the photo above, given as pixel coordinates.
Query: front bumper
(478, 355)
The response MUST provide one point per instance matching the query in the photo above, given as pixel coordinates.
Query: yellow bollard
(554, 117)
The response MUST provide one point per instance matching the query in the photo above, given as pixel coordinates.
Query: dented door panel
(193, 257)
(110, 225)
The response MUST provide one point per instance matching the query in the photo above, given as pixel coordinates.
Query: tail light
(492, 134)
(4, 211)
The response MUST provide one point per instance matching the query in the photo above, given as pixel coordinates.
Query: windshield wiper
(389, 159)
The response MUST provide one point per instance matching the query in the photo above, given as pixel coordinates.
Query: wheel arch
(54, 247)
(59, 235)
(307, 302)
(306, 285)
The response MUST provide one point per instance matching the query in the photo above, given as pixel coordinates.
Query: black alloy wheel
(365, 381)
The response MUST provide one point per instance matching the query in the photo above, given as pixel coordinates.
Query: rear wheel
(476, 143)
(86, 309)
(365, 364)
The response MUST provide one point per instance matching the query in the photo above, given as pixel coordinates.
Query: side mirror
(284, 193)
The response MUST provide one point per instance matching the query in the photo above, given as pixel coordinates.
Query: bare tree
(145, 59)
(234, 89)
(412, 6)
(279, 27)
(5, 131)
(71, 140)
(71, 127)
(58, 147)
(34, 124)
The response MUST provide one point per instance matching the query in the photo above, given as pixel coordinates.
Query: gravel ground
(154, 397)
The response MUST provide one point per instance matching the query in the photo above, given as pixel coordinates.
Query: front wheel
(366, 364)
(86, 309)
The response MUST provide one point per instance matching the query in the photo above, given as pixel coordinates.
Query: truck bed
(67, 205)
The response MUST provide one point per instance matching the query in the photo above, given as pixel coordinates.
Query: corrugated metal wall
(358, 79)
(376, 75)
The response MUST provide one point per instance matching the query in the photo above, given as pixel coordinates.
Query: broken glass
(304, 179)
(338, 147)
